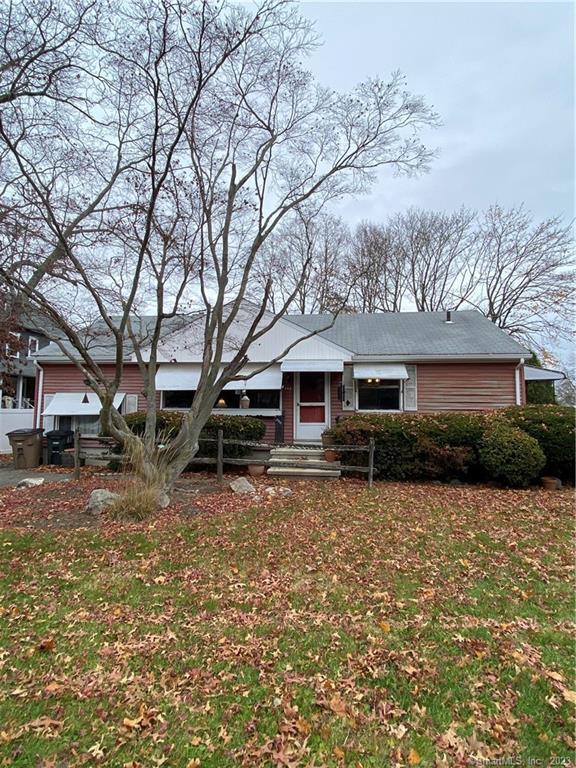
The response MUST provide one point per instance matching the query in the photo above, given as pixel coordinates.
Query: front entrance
(312, 417)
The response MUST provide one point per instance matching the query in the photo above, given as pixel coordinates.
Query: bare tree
(308, 256)
(438, 250)
(201, 135)
(378, 269)
(527, 273)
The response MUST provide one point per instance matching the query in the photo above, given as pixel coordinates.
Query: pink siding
(288, 406)
(335, 401)
(465, 386)
(68, 378)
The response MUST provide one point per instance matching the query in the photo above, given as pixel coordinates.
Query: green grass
(405, 625)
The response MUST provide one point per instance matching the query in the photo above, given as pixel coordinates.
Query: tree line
(514, 269)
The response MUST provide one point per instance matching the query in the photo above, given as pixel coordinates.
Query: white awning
(72, 404)
(185, 376)
(380, 371)
(292, 366)
(532, 373)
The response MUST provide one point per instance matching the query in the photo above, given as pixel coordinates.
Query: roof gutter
(38, 403)
(518, 383)
(495, 357)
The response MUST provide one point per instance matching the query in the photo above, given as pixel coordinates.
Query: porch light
(377, 381)
(369, 381)
(244, 400)
(221, 403)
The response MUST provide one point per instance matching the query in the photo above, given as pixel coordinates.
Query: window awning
(292, 366)
(532, 373)
(185, 376)
(380, 371)
(71, 404)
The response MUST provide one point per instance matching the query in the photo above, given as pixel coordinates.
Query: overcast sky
(501, 77)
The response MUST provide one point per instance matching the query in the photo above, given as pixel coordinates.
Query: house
(392, 362)
(18, 377)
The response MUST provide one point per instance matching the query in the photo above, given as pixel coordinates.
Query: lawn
(404, 625)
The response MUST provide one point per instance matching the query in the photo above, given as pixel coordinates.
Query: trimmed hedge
(242, 428)
(510, 455)
(553, 427)
(452, 445)
(414, 446)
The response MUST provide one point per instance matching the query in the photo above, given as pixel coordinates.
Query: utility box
(57, 441)
(26, 447)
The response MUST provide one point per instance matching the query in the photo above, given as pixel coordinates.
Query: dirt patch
(59, 505)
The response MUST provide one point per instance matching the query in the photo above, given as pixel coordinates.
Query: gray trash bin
(26, 447)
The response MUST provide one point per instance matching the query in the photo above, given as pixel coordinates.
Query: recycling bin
(57, 441)
(26, 447)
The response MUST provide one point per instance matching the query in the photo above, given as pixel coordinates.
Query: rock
(241, 485)
(270, 490)
(285, 491)
(30, 482)
(99, 500)
(163, 500)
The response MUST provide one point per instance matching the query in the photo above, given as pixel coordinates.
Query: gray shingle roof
(415, 334)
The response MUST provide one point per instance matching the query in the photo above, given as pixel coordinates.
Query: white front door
(312, 415)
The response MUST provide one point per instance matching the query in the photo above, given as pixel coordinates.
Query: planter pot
(551, 483)
(331, 455)
(256, 470)
(327, 441)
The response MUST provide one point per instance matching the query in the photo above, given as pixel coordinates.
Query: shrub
(553, 427)
(510, 455)
(245, 428)
(396, 443)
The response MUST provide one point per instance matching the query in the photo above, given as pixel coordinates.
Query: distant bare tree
(200, 136)
(309, 256)
(438, 251)
(377, 269)
(526, 273)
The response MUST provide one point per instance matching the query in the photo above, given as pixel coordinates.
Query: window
(378, 395)
(178, 398)
(13, 350)
(88, 425)
(261, 399)
(33, 345)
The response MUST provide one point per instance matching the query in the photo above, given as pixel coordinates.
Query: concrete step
(317, 474)
(314, 454)
(306, 463)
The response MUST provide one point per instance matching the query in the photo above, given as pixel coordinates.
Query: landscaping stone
(99, 500)
(241, 485)
(30, 482)
(163, 500)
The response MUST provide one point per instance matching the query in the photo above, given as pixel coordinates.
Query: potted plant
(256, 470)
(331, 455)
(551, 483)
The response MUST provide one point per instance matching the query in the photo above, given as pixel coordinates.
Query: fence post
(220, 457)
(370, 462)
(76, 454)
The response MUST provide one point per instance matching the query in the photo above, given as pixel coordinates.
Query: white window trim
(400, 408)
(16, 355)
(36, 341)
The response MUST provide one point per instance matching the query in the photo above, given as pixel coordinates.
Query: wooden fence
(219, 460)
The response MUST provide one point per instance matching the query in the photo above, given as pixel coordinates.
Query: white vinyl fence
(13, 418)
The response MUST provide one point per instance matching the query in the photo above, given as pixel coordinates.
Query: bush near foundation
(245, 428)
(553, 427)
(446, 446)
(510, 455)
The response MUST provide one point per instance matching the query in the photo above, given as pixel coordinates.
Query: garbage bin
(26, 447)
(57, 441)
